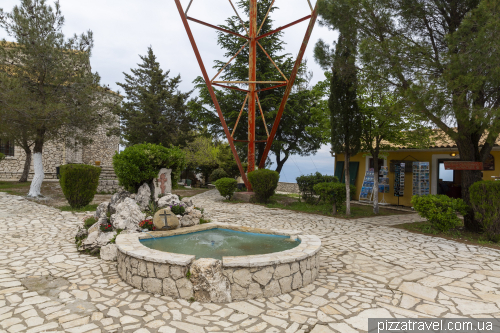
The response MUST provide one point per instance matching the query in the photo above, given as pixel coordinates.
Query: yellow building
(441, 181)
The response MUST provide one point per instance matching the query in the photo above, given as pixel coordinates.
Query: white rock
(91, 239)
(188, 221)
(188, 202)
(109, 252)
(104, 238)
(168, 200)
(101, 211)
(143, 196)
(209, 284)
(128, 215)
(117, 199)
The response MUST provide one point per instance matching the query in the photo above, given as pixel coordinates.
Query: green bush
(218, 174)
(79, 183)
(334, 193)
(226, 187)
(306, 184)
(2, 156)
(140, 164)
(485, 199)
(179, 209)
(440, 210)
(264, 183)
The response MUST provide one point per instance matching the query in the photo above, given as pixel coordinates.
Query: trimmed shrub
(226, 187)
(140, 164)
(306, 184)
(333, 193)
(440, 210)
(485, 199)
(79, 183)
(264, 183)
(218, 174)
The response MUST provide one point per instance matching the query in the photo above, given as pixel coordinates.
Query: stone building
(56, 153)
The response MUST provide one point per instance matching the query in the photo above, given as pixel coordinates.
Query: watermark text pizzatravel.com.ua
(407, 325)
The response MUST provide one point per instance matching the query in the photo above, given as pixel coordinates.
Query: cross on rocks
(165, 216)
(163, 179)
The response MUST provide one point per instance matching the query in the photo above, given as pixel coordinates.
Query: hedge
(264, 183)
(306, 184)
(485, 199)
(79, 183)
(440, 210)
(141, 163)
(333, 193)
(226, 187)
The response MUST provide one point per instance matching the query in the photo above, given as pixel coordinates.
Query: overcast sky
(123, 30)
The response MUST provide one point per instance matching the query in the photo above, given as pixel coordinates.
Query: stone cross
(165, 216)
(163, 179)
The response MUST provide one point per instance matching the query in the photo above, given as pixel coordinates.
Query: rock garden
(131, 213)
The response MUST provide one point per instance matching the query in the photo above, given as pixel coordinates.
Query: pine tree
(57, 95)
(155, 111)
(343, 104)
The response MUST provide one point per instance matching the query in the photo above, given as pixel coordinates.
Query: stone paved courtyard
(368, 269)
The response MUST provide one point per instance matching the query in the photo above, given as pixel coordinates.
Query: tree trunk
(347, 185)
(469, 151)
(334, 208)
(27, 165)
(375, 184)
(37, 181)
(280, 162)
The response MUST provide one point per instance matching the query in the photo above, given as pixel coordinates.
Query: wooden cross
(163, 179)
(165, 216)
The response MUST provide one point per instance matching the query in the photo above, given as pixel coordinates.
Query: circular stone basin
(216, 243)
(208, 264)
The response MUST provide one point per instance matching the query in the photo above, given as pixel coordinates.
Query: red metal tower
(252, 97)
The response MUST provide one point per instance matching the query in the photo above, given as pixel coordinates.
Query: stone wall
(12, 167)
(288, 187)
(102, 148)
(163, 279)
(57, 153)
(109, 186)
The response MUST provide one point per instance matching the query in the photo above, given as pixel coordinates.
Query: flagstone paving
(368, 270)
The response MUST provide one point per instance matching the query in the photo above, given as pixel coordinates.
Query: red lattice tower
(252, 97)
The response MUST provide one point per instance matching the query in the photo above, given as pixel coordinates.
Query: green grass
(8, 186)
(458, 234)
(290, 202)
(82, 209)
(357, 211)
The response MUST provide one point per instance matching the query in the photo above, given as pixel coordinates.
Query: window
(6, 148)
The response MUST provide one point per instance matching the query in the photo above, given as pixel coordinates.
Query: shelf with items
(399, 180)
(383, 183)
(421, 178)
(366, 194)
